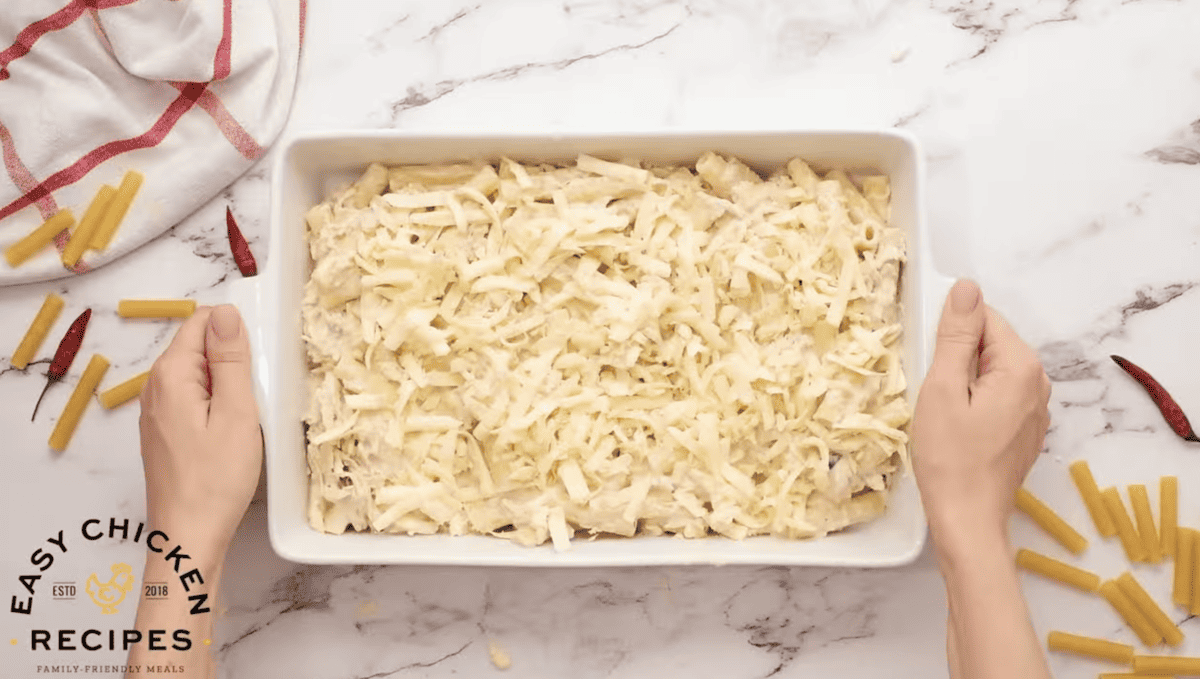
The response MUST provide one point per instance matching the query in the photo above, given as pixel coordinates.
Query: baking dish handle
(937, 286)
(247, 295)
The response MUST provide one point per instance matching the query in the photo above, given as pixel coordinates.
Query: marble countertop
(1064, 155)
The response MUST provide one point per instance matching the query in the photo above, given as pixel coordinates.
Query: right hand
(980, 420)
(201, 443)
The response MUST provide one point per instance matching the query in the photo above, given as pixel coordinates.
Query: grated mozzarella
(541, 352)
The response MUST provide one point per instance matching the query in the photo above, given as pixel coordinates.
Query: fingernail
(964, 297)
(226, 323)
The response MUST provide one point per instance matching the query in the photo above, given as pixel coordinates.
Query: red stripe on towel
(186, 100)
(21, 176)
(221, 66)
(100, 34)
(303, 20)
(55, 22)
(227, 124)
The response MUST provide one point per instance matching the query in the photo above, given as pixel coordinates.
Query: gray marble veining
(1063, 150)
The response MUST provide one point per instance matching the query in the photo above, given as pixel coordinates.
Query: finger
(1042, 428)
(189, 338)
(958, 335)
(181, 369)
(227, 347)
(1001, 347)
(973, 371)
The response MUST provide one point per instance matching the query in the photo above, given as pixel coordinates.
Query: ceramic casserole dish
(310, 167)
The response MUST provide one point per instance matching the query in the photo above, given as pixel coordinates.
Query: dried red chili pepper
(1170, 410)
(64, 356)
(241, 249)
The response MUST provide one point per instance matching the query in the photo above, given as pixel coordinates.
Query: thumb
(227, 349)
(959, 333)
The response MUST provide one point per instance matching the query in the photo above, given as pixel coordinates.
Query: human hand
(980, 421)
(201, 442)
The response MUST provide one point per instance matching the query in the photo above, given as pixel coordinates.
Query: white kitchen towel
(188, 92)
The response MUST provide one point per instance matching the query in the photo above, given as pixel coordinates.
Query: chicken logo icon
(109, 595)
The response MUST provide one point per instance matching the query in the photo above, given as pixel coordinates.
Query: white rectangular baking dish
(310, 165)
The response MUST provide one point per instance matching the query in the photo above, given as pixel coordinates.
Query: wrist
(194, 578)
(200, 538)
(172, 566)
(960, 546)
(958, 520)
(173, 558)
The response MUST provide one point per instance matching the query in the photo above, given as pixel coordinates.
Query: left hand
(201, 443)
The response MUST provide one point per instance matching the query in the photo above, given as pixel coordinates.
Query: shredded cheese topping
(540, 352)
